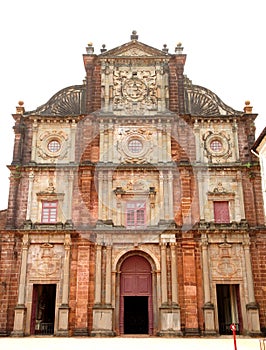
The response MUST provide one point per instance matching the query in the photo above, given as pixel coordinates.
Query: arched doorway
(136, 316)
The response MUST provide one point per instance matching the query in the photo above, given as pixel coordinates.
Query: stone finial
(247, 108)
(165, 49)
(103, 49)
(134, 35)
(179, 48)
(20, 109)
(90, 48)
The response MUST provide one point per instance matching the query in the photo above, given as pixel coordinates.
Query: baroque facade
(135, 207)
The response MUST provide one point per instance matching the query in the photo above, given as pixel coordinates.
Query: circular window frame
(141, 139)
(48, 151)
(224, 145)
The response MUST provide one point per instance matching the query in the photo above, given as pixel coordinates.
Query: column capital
(25, 242)
(67, 241)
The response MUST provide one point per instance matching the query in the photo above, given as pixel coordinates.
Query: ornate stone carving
(134, 185)
(225, 260)
(47, 263)
(135, 92)
(219, 188)
(138, 155)
(218, 154)
(44, 140)
(226, 268)
(137, 185)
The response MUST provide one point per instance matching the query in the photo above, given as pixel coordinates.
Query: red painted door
(136, 282)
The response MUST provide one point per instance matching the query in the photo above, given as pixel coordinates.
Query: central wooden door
(136, 296)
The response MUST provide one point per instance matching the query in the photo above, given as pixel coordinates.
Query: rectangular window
(49, 211)
(135, 214)
(221, 212)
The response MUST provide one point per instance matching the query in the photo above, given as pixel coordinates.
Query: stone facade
(259, 148)
(135, 206)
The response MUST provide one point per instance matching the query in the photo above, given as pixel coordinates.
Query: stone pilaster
(34, 141)
(100, 195)
(73, 130)
(31, 180)
(108, 279)
(208, 308)
(161, 193)
(70, 195)
(170, 196)
(98, 275)
(63, 310)
(102, 309)
(190, 287)
(170, 322)
(110, 208)
(20, 310)
(252, 306)
(82, 290)
(160, 142)
(163, 274)
(174, 280)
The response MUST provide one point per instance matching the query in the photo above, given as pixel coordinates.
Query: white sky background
(42, 43)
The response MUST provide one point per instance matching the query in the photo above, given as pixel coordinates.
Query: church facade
(135, 207)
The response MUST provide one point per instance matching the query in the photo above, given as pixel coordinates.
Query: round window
(135, 146)
(216, 146)
(54, 146)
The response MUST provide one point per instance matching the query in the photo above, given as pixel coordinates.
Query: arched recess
(136, 287)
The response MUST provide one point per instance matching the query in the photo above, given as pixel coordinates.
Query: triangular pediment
(134, 49)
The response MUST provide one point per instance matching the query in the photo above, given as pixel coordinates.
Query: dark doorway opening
(228, 302)
(43, 309)
(136, 315)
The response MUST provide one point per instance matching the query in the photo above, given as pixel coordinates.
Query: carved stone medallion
(134, 90)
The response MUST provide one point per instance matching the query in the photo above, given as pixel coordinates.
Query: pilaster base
(253, 320)
(102, 325)
(192, 332)
(19, 321)
(3, 333)
(170, 321)
(102, 333)
(81, 332)
(208, 310)
(62, 330)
